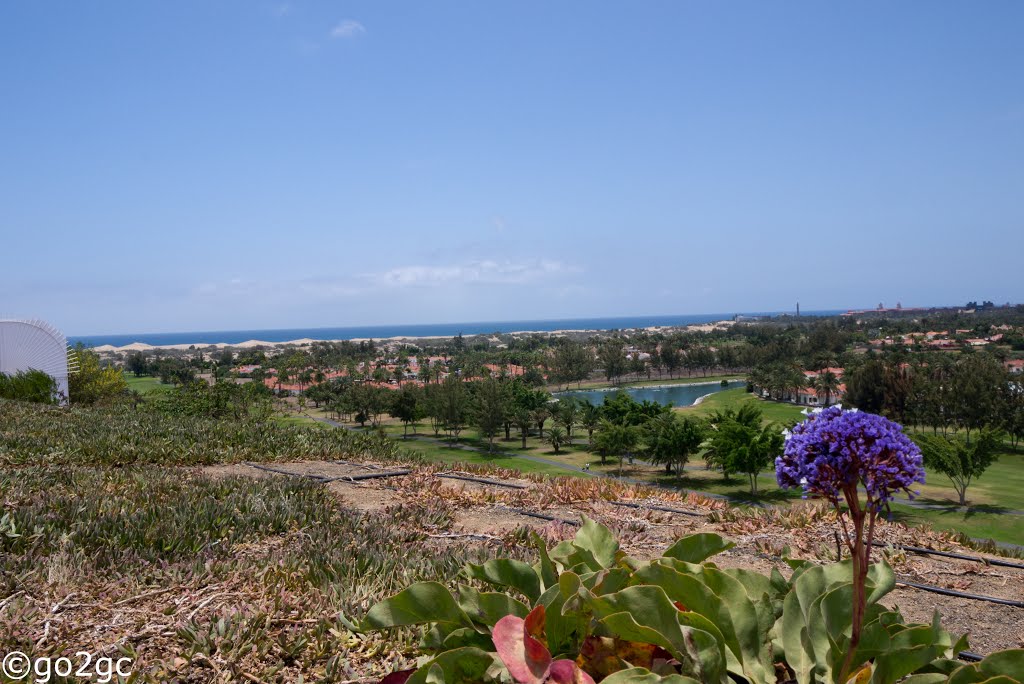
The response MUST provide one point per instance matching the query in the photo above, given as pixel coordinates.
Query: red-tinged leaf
(566, 672)
(526, 658)
(681, 606)
(535, 624)
(398, 677)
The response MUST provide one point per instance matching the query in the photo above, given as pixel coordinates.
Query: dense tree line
(968, 401)
(620, 427)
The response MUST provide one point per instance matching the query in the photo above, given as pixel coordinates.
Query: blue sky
(201, 165)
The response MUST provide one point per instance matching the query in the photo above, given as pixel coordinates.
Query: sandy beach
(306, 341)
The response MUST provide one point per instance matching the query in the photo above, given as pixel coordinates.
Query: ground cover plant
(586, 612)
(30, 434)
(193, 576)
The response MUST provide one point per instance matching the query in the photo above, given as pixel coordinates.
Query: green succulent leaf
(416, 605)
(598, 541)
(645, 613)
(545, 567)
(487, 607)
(640, 675)
(504, 572)
(1002, 667)
(695, 548)
(459, 666)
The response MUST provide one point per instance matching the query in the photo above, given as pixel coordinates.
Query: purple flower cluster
(836, 450)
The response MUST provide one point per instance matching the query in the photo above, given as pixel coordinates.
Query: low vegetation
(586, 612)
(177, 570)
(120, 436)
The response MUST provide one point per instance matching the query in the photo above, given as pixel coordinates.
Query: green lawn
(1001, 487)
(445, 454)
(1004, 528)
(144, 384)
(774, 411)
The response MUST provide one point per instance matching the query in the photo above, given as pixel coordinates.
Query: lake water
(677, 395)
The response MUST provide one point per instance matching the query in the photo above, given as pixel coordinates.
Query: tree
(95, 383)
(541, 414)
(566, 413)
(524, 421)
(959, 459)
(637, 366)
(556, 438)
(318, 394)
(671, 359)
(977, 382)
(136, 364)
(433, 407)
(369, 403)
(671, 439)
(590, 418)
(572, 362)
(827, 383)
(718, 453)
(746, 448)
(407, 407)
(453, 406)
(613, 359)
(614, 439)
(865, 386)
(1011, 410)
(758, 453)
(491, 408)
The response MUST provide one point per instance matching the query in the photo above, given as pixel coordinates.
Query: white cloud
(350, 288)
(349, 28)
(477, 272)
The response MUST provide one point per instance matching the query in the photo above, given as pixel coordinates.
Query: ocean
(412, 330)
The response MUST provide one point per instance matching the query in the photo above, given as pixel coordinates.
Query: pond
(677, 395)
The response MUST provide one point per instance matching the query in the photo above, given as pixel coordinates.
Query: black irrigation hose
(948, 554)
(318, 478)
(666, 509)
(324, 479)
(542, 516)
(482, 480)
(369, 476)
(970, 656)
(960, 594)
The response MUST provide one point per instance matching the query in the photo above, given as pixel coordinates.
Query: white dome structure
(34, 345)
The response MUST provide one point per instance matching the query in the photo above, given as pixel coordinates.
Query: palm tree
(827, 382)
(523, 420)
(566, 415)
(556, 438)
(590, 418)
(539, 416)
